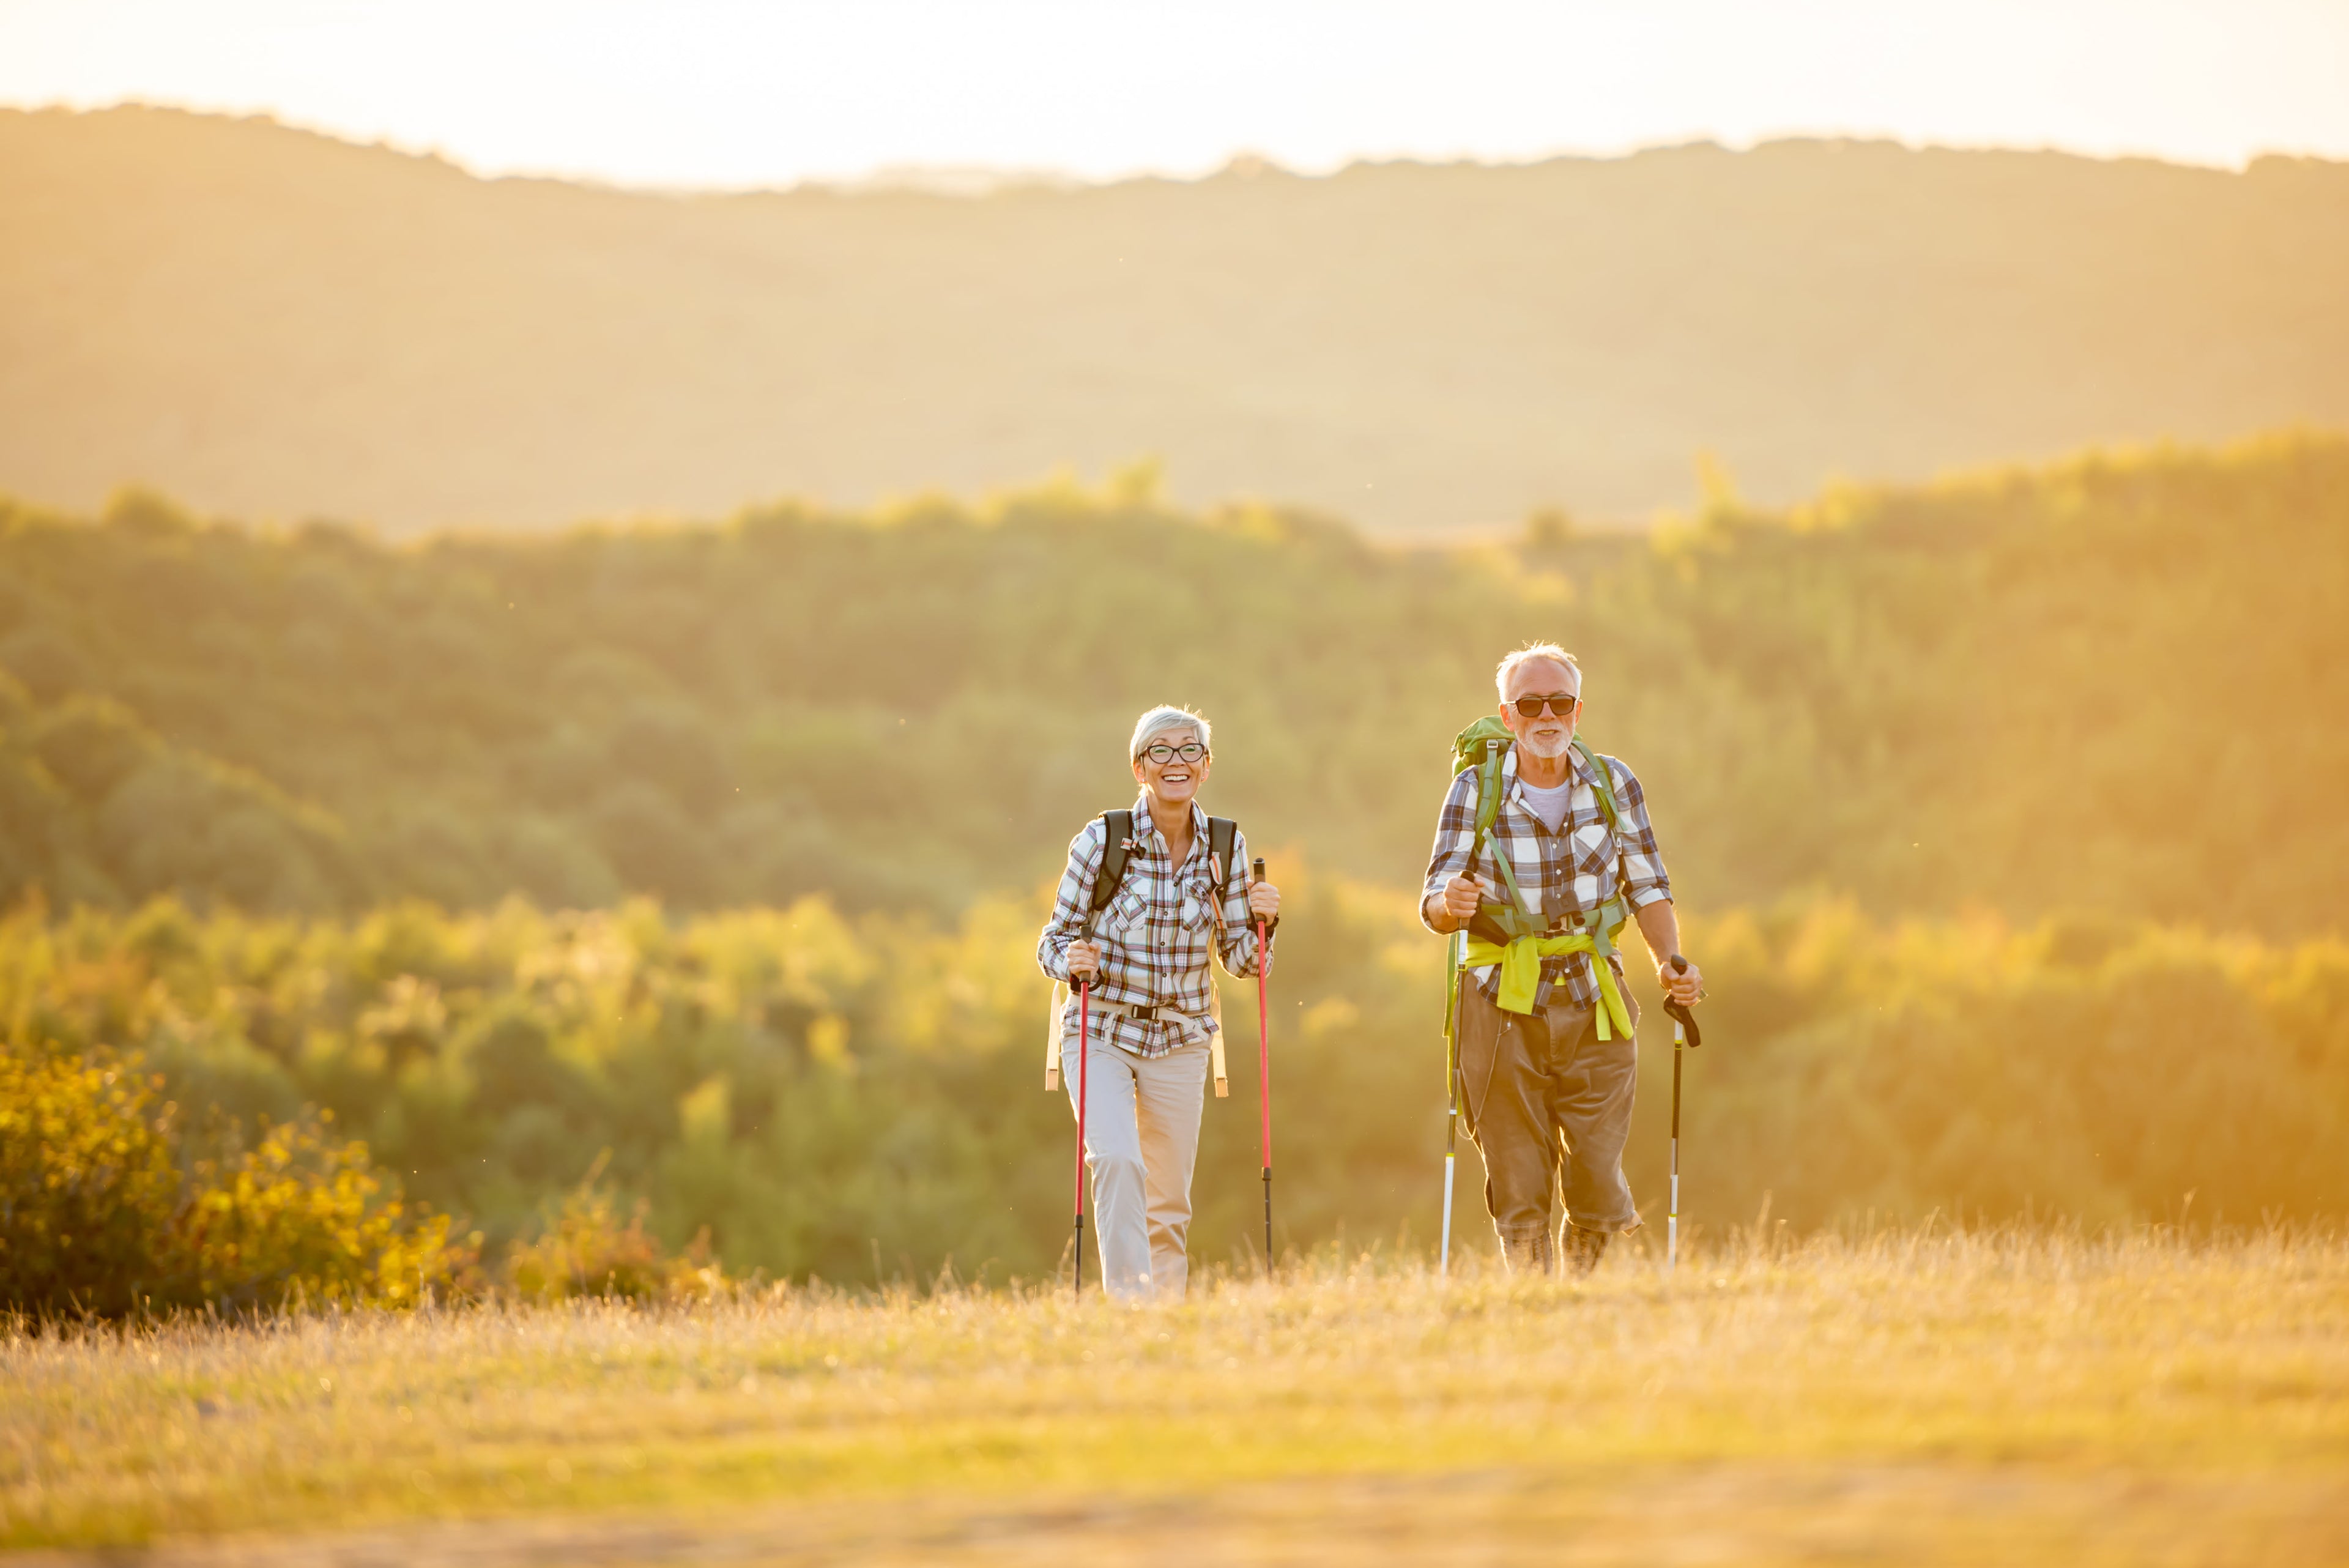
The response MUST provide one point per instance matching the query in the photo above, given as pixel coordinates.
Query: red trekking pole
(1264, 1066)
(1085, 1054)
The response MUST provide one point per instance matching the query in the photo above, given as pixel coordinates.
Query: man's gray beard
(1547, 749)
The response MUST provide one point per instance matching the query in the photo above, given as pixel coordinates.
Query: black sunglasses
(1561, 703)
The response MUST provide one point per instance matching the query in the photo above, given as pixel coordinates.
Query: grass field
(2012, 1398)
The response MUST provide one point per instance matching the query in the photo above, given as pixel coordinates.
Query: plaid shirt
(1571, 872)
(1155, 934)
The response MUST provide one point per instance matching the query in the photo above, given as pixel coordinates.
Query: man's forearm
(1661, 928)
(1434, 916)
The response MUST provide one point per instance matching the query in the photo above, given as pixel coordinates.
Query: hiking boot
(1528, 1255)
(1584, 1249)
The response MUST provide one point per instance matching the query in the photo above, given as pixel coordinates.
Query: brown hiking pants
(1547, 1099)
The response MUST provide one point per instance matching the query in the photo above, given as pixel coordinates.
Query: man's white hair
(1526, 655)
(1162, 719)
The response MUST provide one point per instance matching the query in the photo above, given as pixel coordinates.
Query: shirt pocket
(1127, 919)
(1594, 849)
(1198, 911)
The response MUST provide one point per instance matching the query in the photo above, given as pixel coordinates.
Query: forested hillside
(2105, 686)
(2007, 814)
(276, 324)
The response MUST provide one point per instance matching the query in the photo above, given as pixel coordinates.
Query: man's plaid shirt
(1572, 871)
(1155, 935)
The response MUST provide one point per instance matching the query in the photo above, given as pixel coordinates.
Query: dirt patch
(1705, 1514)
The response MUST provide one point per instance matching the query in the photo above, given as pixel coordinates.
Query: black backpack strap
(1223, 838)
(1117, 832)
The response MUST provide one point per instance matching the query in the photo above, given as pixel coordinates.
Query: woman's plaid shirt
(1155, 935)
(1572, 871)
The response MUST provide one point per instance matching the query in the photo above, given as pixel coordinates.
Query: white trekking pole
(1458, 948)
(1684, 1033)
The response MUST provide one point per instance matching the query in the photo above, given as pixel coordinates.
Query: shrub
(87, 1188)
(109, 1207)
(302, 1217)
(585, 1250)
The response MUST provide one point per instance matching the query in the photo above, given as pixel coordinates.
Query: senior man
(1152, 1006)
(1547, 1062)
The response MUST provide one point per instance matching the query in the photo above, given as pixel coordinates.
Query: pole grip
(1682, 1017)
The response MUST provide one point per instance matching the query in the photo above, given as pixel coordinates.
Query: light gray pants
(1142, 1139)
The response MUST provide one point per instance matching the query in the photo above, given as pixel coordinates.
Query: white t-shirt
(1549, 804)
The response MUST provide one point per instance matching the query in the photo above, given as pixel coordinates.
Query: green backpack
(1483, 745)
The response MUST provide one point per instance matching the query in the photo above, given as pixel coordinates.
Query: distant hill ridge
(272, 323)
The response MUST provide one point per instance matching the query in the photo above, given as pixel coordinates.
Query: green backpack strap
(1488, 811)
(1604, 789)
(1488, 791)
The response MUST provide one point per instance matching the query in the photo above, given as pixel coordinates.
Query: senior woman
(1152, 1005)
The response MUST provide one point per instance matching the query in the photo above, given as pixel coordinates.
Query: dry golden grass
(1929, 1397)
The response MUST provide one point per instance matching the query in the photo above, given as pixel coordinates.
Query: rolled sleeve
(1073, 902)
(1455, 840)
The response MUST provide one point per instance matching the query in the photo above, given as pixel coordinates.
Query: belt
(1140, 1015)
(1056, 1030)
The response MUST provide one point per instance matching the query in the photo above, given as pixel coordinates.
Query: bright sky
(769, 92)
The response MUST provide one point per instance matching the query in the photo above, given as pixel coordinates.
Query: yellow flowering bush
(586, 1251)
(109, 1207)
(87, 1186)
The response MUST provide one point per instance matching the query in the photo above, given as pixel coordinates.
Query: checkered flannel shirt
(1572, 871)
(1155, 935)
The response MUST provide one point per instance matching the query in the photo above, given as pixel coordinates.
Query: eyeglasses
(1162, 753)
(1561, 703)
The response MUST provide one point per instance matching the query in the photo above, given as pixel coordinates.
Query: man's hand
(1264, 901)
(1682, 985)
(1084, 961)
(1456, 906)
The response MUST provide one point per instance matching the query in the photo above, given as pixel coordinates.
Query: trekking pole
(1085, 1054)
(1459, 945)
(1684, 1033)
(1263, 1065)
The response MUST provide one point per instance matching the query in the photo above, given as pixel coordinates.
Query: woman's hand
(1264, 901)
(1084, 961)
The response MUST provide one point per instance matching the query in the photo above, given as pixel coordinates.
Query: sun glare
(744, 95)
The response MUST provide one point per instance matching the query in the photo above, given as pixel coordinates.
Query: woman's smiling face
(1171, 776)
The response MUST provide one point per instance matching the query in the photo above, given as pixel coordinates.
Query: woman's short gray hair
(1160, 720)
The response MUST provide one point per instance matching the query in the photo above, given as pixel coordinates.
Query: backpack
(1117, 828)
(1483, 745)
